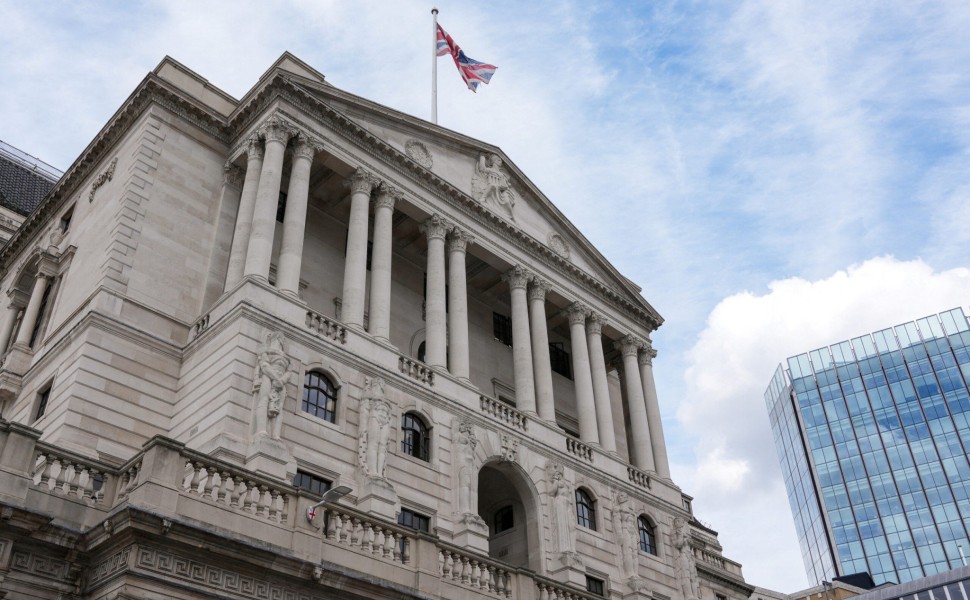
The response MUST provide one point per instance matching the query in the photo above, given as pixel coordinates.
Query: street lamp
(329, 496)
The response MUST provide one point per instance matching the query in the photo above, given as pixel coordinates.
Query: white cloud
(736, 479)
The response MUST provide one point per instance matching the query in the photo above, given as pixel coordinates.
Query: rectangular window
(66, 219)
(594, 585)
(409, 518)
(42, 397)
(720, 597)
(502, 328)
(559, 360)
(311, 483)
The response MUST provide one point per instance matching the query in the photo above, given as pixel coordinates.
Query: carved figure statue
(490, 184)
(563, 498)
(684, 566)
(269, 386)
(627, 536)
(375, 423)
(467, 469)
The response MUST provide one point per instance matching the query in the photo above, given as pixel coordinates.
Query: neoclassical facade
(227, 307)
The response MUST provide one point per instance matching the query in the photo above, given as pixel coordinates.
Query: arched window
(585, 509)
(648, 536)
(503, 519)
(415, 440)
(319, 396)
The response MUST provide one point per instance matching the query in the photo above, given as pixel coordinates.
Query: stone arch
(416, 340)
(504, 483)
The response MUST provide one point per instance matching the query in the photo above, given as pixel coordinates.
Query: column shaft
(457, 305)
(355, 262)
(601, 387)
(380, 264)
(525, 395)
(260, 252)
(657, 443)
(436, 326)
(642, 453)
(9, 320)
(244, 216)
(545, 401)
(33, 309)
(582, 378)
(294, 219)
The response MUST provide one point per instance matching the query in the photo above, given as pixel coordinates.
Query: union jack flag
(472, 71)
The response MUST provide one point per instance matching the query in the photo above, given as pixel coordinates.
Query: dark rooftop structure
(24, 180)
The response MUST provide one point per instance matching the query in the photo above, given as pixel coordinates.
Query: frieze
(44, 566)
(115, 563)
(105, 176)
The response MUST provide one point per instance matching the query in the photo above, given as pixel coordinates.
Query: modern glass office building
(873, 435)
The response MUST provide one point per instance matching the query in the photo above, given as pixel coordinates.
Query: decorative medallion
(558, 245)
(419, 153)
(492, 186)
(103, 178)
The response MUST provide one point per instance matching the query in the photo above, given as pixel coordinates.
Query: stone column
(9, 320)
(355, 262)
(582, 379)
(294, 219)
(436, 328)
(601, 387)
(244, 216)
(33, 309)
(525, 395)
(267, 200)
(657, 444)
(642, 452)
(380, 263)
(457, 304)
(545, 401)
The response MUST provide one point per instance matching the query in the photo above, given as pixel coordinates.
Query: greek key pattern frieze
(115, 563)
(39, 565)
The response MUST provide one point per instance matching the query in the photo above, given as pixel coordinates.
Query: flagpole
(434, 66)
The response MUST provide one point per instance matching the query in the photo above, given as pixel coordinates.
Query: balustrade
(638, 477)
(474, 571)
(709, 557)
(416, 370)
(326, 327)
(550, 590)
(370, 536)
(229, 487)
(577, 448)
(70, 475)
(503, 412)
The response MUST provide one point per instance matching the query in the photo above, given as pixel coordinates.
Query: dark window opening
(559, 360)
(281, 207)
(503, 519)
(41, 313)
(66, 219)
(319, 397)
(421, 352)
(594, 585)
(409, 518)
(648, 536)
(415, 440)
(585, 509)
(502, 328)
(42, 397)
(311, 483)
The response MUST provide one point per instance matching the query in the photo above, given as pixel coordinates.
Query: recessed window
(559, 360)
(648, 536)
(585, 509)
(409, 518)
(43, 396)
(720, 597)
(319, 396)
(311, 483)
(502, 328)
(415, 439)
(594, 585)
(66, 219)
(503, 519)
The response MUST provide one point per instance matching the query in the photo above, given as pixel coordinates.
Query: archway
(508, 503)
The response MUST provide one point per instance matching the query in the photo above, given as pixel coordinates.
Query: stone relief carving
(419, 153)
(564, 512)
(684, 567)
(103, 178)
(510, 448)
(269, 385)
(467, 462)
(56, 236)
(627, 540)
(375, 424)
(492, 186)
(558, 244)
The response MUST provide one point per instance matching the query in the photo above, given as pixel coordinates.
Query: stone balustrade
(503, 412)
(326, 327)
(416, 369)
(709, 557)
(551, 590)
(577, 448)
(222, 483)
(473, 571)
(366, 534)
(62, 472)
(638, 477)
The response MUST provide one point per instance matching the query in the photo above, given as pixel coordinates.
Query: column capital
(628, 345)
(232, 174)
(539, 288)
(646, 356)
(458, 240)
(387, 195)
(304, 147)
(362, 182)
(517, 277)
(435, 228)
(595, 323)
(254, 149)
(577, 312)
(276, 129)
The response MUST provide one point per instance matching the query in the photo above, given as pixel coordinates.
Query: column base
(269, 457)
(471, 532)
(377, 497)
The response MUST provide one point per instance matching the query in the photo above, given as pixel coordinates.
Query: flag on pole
(472, 71)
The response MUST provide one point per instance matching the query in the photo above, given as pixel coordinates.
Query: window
(319, 396)
(409, 518)
(311, 483)
(559, 360)
(42, 397)
(720, 597)
(594, 585)
(502, 328)
(585, 509)
(503, 519)
(648, 536)
(422, 349)
(414, 441)
(66, 219)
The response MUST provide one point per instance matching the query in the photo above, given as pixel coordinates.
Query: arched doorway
(507, 501)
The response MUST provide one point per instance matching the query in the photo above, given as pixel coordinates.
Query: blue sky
(776, 175)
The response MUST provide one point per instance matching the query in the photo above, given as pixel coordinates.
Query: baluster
(209, 483)
(474, 573)
(378, 546)
(365, 544)
(133, 475)
(395, 546)
(465, 570)
(499, 581)
(449, 564)
(235, 493)
(441, 563)
(261, 502)
(330, 517)
(196, 476)
(60, 477)
(406, 549)
(71, 482)
(247, 498)
(224, 490)
(45, 469)
(355, 533)
(86, 490)
(274, 513)
(507, 583)
(486, 576)
(346, 529)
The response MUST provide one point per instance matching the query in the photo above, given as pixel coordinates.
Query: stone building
(24, 181)
(227, 307)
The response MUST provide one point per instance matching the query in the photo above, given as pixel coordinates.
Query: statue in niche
(467, 473)
(491, 185)
(627, 536)
(684, 566)
(563, 508)
(375, 426)
(269, 386)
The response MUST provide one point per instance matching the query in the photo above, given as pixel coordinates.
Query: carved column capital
(517, 277)
(577, 313)
(362, 182)
(232, 174)
(595, 323)
(628, 345)
(304, 147)
(646, 356)
(539, 288)
(436, 228)
(254, 149)
(458, 240)
(276, 129)
(387, 195)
